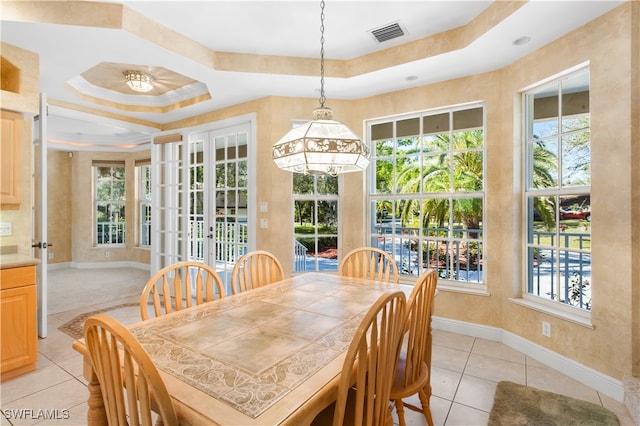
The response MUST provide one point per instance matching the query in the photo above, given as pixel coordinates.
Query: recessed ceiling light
(521, 41)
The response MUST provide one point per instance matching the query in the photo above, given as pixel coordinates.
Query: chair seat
(401, 390)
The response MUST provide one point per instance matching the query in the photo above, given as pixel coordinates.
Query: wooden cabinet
(18, 321)
(11, 156)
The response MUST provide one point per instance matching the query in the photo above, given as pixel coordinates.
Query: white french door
(204, 208)
(39, 240)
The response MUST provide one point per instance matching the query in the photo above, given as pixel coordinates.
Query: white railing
(299, 256)
(230, 240)
(110, 233)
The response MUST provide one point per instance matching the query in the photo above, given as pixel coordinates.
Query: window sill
(474, 289)
(477, 289)
(566, 316)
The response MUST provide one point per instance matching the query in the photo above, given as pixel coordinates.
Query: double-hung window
(143, 173)
(109, 202)
(427, 191)
(557, 153)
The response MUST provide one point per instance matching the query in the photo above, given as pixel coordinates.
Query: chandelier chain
(322, 96)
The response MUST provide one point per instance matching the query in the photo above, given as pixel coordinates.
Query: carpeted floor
(70, 288)
(517, 404)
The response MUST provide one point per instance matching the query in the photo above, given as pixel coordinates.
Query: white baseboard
(61, 265)
(602, 383)
(98, 265)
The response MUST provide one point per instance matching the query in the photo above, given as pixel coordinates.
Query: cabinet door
(11, 155)
(18, 328)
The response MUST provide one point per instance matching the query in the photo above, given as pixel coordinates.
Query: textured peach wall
(60, 214)
(83, 249)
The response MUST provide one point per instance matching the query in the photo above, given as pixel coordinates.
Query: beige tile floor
(465, 369)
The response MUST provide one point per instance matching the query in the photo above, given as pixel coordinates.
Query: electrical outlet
(50, 255)
(546, 329)
(107, 254)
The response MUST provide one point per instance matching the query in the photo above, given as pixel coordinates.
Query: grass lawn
(576, 234)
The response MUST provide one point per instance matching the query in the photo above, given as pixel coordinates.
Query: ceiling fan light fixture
(138, 81)
(322, 146)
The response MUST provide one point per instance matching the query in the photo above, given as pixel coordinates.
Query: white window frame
(453, 237)
(554, 307)
(315, 197)
(114, 228)
(143, 174)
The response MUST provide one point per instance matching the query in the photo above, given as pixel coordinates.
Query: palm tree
(437, 177)
(545, 168)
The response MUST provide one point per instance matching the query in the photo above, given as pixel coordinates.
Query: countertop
(15, 260)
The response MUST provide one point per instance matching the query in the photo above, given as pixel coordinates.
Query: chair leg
(400, 410)
(426, 409)
(427, 389)
(389, 417)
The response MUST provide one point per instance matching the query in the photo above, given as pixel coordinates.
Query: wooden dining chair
(255, 269)
(372, 263)
(179, 286)
(413, 375)
(132, 388)
(367, 372)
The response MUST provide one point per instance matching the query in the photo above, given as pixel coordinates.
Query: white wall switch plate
(6, 229)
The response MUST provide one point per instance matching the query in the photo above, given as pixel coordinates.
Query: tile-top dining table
(268, 356)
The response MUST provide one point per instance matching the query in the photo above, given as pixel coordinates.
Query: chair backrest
(255, 269)
(179, 286)
(371, 361)
(372, 263)
(130, 383)
(416, 346)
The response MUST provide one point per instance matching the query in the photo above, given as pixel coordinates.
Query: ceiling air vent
(388, 32)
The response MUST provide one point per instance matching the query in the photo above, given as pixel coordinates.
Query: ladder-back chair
(367, 371)
(413, 375)
(179, 286)
(132, 388)
(255, 269)
(372, 263)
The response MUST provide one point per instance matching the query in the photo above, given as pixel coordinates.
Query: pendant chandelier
(321, 146)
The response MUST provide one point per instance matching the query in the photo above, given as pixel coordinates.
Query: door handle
(41, 245)
(210, 236)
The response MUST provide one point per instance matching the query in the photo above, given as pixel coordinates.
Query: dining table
(268, 356)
